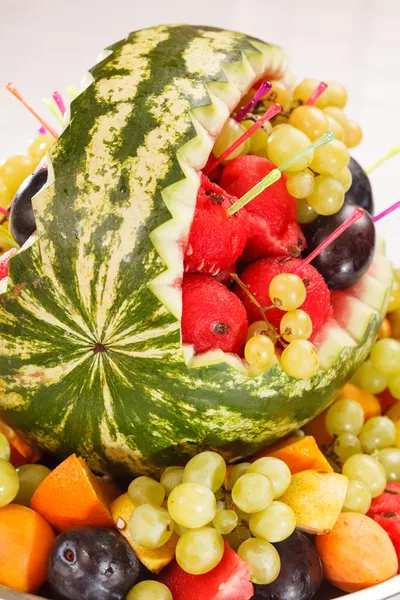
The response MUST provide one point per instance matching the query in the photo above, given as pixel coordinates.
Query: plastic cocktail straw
(386, 212)
(355, 216)
(395, 150)
(3, 211)
(262, 90)
(277, 173)
(58, 99)
(316, 93)
(11, 88)
(42, 131)
(271, 112)
(53, 109)
(72, 91)
(8, 237)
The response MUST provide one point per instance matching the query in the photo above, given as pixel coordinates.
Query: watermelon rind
(90, 351)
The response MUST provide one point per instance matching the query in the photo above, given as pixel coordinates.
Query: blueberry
(89, 563)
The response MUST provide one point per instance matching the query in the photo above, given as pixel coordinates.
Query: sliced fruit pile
(206, 531)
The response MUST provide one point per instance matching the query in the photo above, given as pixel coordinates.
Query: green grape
(238, 536)
(331, 158)
(309, 119)
(276, 470)
(192, 505)
(285, 143)
(40, 147)
(390, 460)
(263, 560)
(385, 356)
(287, 291)
(259, 350)
(352, 134)
(14, 171)
(200, 550)
(5, 450)
(252, 492)
(300, 359)
(231, 132)
(225, 521)
(394, 300)
(370, 379)
(344, 416)
(259, 139)
(377, 433)
(279, 93)
(345, 445)
(30, 477)
(207, 468)
(304, 213)
(301, 184)
(5, 195)
(328, 195)
(144, 490)
(345, 178)
(171, 477)
(179, 530)
(305, 88)
(236, 472)
(336, 113)
(295, 325)
(367, 469)
(394, 385)
(336, 127)
(335, 95)
(150, 526)
(9, 483)
(149, 590)
(358, 498)
(274, 524)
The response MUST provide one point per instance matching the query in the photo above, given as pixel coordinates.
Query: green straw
(277, 173)
(8, 237)
(395, 150)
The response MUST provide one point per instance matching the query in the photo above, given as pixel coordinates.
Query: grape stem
(271, 331)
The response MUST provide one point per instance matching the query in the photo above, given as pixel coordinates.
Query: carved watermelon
(90, 353)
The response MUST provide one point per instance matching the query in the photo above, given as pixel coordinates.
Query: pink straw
(271, 112)
(58, 99)
(316, 93)
(386, 212)
(42, 131)
(11, 88)
(355, 216)
(3, 211)
(262, 90)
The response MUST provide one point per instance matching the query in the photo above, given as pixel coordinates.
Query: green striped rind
(90, 356)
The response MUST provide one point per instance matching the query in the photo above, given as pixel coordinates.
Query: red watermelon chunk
(273, 225)
(230, 580)
(259, 275)
(212, 315)
(386, 400)
(385, 510)
(4, 262)
(216, 240)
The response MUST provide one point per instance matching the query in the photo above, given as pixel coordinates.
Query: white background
(47, 44)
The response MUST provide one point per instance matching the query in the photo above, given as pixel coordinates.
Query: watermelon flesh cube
(385, 510)
(273, 225)
(216, 240)
(230, 580)
(212, 316)
(258, 275)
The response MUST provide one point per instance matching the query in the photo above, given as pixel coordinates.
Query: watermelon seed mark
(389, 515)
(99, 347)
(220, 328)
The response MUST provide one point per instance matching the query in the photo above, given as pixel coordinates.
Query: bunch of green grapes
(300, 357)
(16, 169)
(203, 504)
(365, 449)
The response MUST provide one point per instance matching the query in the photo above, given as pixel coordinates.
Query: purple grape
(345, 260)
(22, 219)
(301, 571)
(92, 563)
(360, 192)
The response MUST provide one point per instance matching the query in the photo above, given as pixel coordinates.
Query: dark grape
(92, 563)
(301, 571)
(360, 192)
(346, 259)
(22, 219)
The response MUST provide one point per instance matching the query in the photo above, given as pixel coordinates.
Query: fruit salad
(200, 357)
